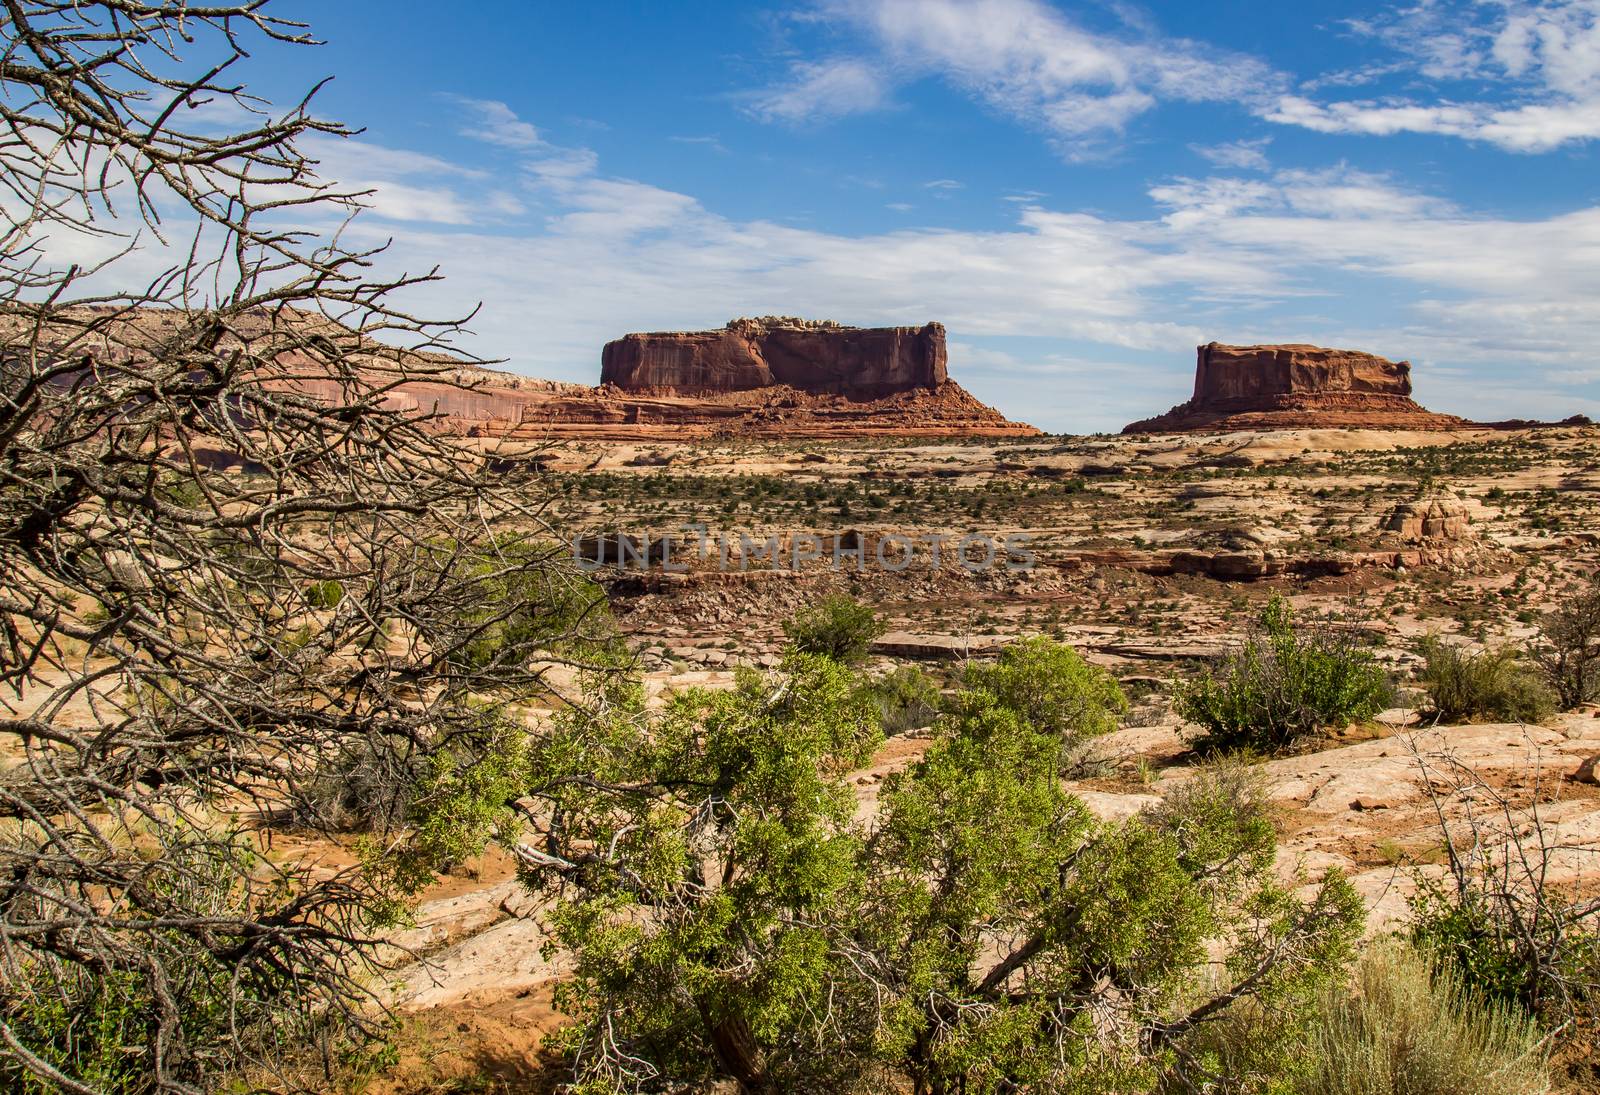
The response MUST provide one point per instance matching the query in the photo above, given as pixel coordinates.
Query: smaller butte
(1296, 386)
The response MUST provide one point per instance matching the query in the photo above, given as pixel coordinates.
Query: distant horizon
(1080, 192)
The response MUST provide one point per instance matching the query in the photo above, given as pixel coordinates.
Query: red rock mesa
(1297, 386)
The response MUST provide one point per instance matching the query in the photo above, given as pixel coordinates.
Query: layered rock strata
(1297, 387)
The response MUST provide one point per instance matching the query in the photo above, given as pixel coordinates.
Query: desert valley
(413, 693)
(1310, 475)
(778, 479)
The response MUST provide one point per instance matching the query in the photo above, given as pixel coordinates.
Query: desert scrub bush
(1567, 650)
(522, 605)
(906, 698)
(1526, 947)
(1050, 687)
(705, 853)
(983, 933)
(1413, 1026)
(100, 1026)
(838, 627)
(1284, 684)
(1491, 684)
(363, 786)
(1497, 917)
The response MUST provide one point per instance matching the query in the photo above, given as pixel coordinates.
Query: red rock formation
(856, 382)
(609, 413)
(1297, 386)
(823, 358)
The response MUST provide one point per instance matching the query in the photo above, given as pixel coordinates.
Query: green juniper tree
(736, 913)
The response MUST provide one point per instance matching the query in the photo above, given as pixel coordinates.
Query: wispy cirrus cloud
(1024, 58)
(494, 122)
(1244, 155)
(1522, 75)
(1543, 59)
(824, 90)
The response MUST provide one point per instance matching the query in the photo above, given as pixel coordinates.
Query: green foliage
(1028, 946)
(1521, 950)
(1285, 684)
(100, 1026)
(1492, 685)
(1568, 647)
(325, 594)
(839, 627)
(527, 608)
(1050, 688)
(732, 920)
(1412, 1027)
(709, 845)
(906, 699)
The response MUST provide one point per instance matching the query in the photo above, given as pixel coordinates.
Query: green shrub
(102, 1025)
(983, 932)
(1493, 685)
(526, 608)
(1568, 648)
(1050, 688)
(1514, 944)
(1285, 684)
(326, 594)
(839, 627)
(1412, 1027)
(907, 699)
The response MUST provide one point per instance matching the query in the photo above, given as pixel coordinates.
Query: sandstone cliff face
(1224, 373)
(867, 363)
(1297, 386)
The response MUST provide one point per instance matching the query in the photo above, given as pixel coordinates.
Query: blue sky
(1081, 192)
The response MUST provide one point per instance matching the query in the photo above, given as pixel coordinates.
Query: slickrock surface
(1296, 387)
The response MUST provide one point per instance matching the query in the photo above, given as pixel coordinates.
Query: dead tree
(230, 552)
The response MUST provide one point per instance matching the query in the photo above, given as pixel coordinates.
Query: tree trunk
(737, 1052)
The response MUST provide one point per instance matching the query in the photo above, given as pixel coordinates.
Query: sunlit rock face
(816, 357)
(1295, 386)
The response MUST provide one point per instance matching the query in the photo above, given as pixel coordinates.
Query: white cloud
(1442, 44)
(405, 185)
(1027, 59)
(822, 91)
(1244, 155)
(1022, 57)
(496, 123)
(1544, 57)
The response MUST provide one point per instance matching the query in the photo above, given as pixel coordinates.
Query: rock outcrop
(769, 377)
(1428, 519)
(1295, 387)
(775, 376)
(747, 354)
(611, 413)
